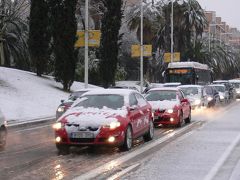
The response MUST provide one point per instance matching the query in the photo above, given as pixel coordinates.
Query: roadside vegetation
(39, 36)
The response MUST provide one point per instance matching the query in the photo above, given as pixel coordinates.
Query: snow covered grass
(24, 96)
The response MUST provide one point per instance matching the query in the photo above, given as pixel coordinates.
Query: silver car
(3, 131)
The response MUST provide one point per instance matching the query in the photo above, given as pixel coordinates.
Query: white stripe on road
(123, 172)
(117, 162)
(212, 173)
(30, 129)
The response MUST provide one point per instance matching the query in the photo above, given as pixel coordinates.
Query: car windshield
(161, 95)
(190, 91)
(220, 88)
(73, 96)
(101, 101)
(236, 85)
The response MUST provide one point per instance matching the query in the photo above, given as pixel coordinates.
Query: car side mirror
(132, 108)
(62, 101)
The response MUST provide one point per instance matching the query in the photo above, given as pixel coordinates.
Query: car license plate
(82, 135)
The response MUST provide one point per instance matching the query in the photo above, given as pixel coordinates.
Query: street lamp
(172, 31)
(209, 34)
(141, 49)
(86, 45)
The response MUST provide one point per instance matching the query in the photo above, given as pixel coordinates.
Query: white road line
(123, 172)
(117, 162)
(30, 129)
(212, 173)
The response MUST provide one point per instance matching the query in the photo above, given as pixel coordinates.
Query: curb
(31, 122)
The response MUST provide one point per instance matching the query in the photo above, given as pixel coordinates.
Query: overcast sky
(229, 10)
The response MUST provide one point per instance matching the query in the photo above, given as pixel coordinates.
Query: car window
(100, 101)
(161, 95)
(141, 101)
(132, 100)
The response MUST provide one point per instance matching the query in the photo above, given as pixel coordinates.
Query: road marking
(212, 173)
(30, 129)
(123, 172)
(117, 162)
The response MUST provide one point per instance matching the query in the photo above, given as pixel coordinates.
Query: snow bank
(24, 96)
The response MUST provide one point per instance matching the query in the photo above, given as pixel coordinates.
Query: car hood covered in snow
(92, 116)
(163, 105)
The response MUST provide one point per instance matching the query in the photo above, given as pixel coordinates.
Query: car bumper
(100, 139)
(166, 119)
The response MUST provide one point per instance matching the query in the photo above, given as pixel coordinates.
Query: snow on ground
(24, 96)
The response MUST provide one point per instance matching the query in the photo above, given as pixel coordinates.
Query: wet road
(31, 154)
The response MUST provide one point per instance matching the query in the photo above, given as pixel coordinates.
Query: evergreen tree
(64, 27)
(109, 47)
(39, 35)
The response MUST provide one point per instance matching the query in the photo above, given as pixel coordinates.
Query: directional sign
(136, 50)
(93, 38)
(167, 57)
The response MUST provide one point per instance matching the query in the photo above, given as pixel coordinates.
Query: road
(31, 153)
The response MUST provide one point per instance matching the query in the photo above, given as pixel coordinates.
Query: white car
(3, 131)
(236, 84)
(194, 93)
(223, 93)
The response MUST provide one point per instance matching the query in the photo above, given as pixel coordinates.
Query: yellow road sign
(93, 38)
(167, 57)
(136, 50)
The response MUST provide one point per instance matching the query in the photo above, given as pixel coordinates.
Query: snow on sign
(136, 50)
(93, 38)
(167, 57)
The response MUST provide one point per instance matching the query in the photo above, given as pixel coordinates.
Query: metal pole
(172, 32)
(86, 45)
(209, 38)
(141, 45)
(220, 38)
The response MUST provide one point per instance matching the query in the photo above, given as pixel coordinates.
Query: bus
(188, 73)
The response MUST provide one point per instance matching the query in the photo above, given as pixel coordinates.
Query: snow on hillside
(24, 96)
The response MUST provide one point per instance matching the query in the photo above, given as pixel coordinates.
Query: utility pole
(172, 32)
(141, 45)
(86, 45)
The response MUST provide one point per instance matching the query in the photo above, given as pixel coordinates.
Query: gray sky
(229, 10)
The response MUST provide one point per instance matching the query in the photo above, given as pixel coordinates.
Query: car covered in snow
(170, 107)
(236, 84)
(223, 92)
(194, 93)
(3, 131)
(66, 104)
(105, 117)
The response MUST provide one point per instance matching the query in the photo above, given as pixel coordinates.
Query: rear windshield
(161, 95)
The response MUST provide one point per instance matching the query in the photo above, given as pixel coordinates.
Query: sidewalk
(199, 154)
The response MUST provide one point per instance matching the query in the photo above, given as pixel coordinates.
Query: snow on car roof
(87, 89)
(220, 85)
(234, 80)
(221, 81)
(164, 89)
(188, 64)
(189, 86)
(123, 92)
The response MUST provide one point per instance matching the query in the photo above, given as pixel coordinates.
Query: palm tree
(13, 32)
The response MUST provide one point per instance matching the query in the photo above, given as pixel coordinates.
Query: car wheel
(128, 140)
(149, 135)
(3, 137)
(180, 123)
(63, 149)
(188, 120)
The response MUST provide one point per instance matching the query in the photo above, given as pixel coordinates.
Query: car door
(145, 112)
(134, 114)
(184, 105)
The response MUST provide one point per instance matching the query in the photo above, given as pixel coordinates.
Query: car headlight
(197, 101)
(170, 111)
(209, 98)
(112, 125)
(61, 109)
(221, 97)
(57, 125)
(238, 91)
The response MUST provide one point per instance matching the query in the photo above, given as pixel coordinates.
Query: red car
(105, 117)
(170, 107)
